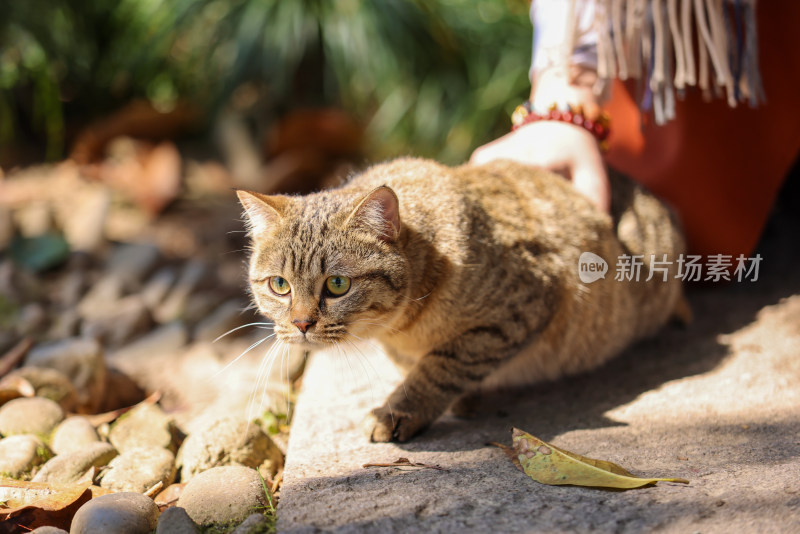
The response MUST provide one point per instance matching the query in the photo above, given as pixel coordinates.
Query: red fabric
(720, 167)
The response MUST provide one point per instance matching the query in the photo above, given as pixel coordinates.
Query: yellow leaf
(33, 504)
(548, 464)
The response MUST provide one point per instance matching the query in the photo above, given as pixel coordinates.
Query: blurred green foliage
(433, 78)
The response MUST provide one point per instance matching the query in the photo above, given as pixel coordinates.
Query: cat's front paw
(384, 424)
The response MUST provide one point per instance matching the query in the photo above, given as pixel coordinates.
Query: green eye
(337, 285)
(279, 285)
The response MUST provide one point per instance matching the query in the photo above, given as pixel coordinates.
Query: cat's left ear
(380, 213)
(264, 213)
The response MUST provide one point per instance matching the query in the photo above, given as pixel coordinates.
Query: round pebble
(72, 434)
(116, 513)
(49, 530)
(254, 524)
(18, 454)
(144, 426)
(67, 468)
(223, 495)
(139, 470)
(227, 441)
(175, 520)
(36, 415)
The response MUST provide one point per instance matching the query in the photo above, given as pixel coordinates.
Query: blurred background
(434, 78)
(125, 125)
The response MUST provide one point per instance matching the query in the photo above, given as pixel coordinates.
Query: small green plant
(43, 454)
(432, 78)
(274, 423)
(268, 511)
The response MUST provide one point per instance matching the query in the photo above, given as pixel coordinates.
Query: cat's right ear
(379, 212)
(264, 213)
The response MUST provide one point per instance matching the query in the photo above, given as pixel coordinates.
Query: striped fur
(467, 276)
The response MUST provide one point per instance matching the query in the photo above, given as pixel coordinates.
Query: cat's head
(325, 267)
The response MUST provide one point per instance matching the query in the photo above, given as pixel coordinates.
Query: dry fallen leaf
(169, 496)
(11, 358)
(35, 504)
(548, 464)
(405, 462)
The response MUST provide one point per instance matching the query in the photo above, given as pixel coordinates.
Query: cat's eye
(279, 285)
(337, 285)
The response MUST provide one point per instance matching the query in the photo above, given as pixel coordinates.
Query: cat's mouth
(311, 338)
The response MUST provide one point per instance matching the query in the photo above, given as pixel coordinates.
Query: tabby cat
(467, 276)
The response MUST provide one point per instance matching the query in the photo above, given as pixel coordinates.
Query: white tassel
(616, 18)
(688, 51)
(720, 67)
(677, 41)
(720, 39)
(669, 88)
(658, 38)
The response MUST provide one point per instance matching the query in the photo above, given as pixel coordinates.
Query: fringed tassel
(655, 40)
(677, 41)
(752, 73)
(619, 46)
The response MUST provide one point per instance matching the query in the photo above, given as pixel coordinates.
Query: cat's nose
(303, 324)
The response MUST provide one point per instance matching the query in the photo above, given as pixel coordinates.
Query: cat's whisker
(236, 359)
(369, 342)
(392, 329)
(418, 299)
(265, 361)
(285, 358)
(346, 358)
(364, 357)
(283, 353)
(239, 328)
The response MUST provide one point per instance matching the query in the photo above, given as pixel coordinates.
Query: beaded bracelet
(599, 127)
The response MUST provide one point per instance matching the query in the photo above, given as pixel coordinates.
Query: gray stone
(48, 383)
(223, 495)
(126, 319)
(36, 415)
(73, 434)
(144, 426)
(101, 296)
(31, 319)
(227, 316)
(130, 263)
(175, 520)
(174, 305)
(70, 288)
(83, 363)
(68, 468)
(228, 441)
(199, 306)
(65, 324)
(158, 286)
(49, 530)
(84, 223)
(139, 469)
(116, 513)
(254, 524)
(138, 358)
(19, 454)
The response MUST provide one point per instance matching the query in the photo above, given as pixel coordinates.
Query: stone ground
(717, 403)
